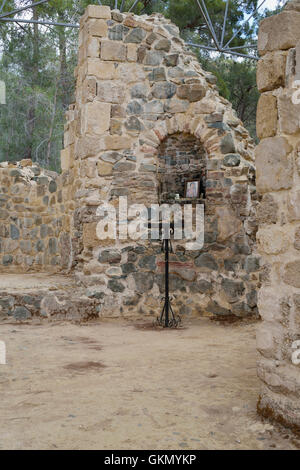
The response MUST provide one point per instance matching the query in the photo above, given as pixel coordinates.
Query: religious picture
(192, 189)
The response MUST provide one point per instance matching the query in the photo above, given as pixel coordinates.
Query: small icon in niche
(192, 189)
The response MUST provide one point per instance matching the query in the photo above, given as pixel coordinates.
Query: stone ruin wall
(139, 91)
(138, 86)
(146, 118)
(34, 219)
(278, 237)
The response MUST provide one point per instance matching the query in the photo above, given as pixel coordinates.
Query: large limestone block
(267, 211)
(88, 168)
(117, 142)
(269, 301)
(111, 50)
(132, 52)
(90, 238)
(289, 113)
(130, 73)
(97, 11)
(193, 92)
(273, 240)
(93, 47)
(273, 165)
(204, 106)
(271, 71)
(96, 118)
(102, 70)
(292, 5)
(111, 92)
(26, 162)
(228, 223)
(89, 89)
(88, 146)
(96, 27)
(69, 136)
(65, 159)
(104, 168)
(292, 273)
(279, 32)
(266, 116)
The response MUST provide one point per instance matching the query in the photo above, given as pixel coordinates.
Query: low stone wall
(199, 284)
(34, 221)
(40, 296)
(278, 237)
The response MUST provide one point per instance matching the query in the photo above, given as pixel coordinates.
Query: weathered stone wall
(137, 86)
(34, 221)
(145, 120)
(278, 182)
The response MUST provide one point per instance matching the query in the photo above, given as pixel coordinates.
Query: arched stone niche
(181, 158)
(140, 90)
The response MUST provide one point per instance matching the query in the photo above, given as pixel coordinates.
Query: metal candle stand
(167, 318)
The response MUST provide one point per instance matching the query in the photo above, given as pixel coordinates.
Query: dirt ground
(111, 385)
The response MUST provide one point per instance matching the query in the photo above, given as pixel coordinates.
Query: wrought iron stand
(167, 318)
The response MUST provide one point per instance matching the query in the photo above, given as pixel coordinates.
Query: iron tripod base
(167, 318)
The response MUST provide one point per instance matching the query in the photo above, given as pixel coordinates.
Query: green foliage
(187, 15)
(37, 66)
(237, 83)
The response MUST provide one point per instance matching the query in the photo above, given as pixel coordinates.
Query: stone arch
(221, 289)
(210, 138)
(181, 158)
(196, 125)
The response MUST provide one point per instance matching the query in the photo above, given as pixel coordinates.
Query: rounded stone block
(279, 32)
(98, 11)
(104, 168)
(271, 71)
(266, 116)
(91, 122)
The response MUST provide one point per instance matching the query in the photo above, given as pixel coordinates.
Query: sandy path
(194, 388)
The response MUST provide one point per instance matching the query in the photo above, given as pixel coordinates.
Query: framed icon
(192, 189)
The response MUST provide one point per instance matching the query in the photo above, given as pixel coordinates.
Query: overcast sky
(271, 4)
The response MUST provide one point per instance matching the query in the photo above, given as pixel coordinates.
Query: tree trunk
(48, 156)
(35, 72)
(63, 76)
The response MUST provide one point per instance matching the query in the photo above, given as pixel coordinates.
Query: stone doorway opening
(181, 158)
(219, 279)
